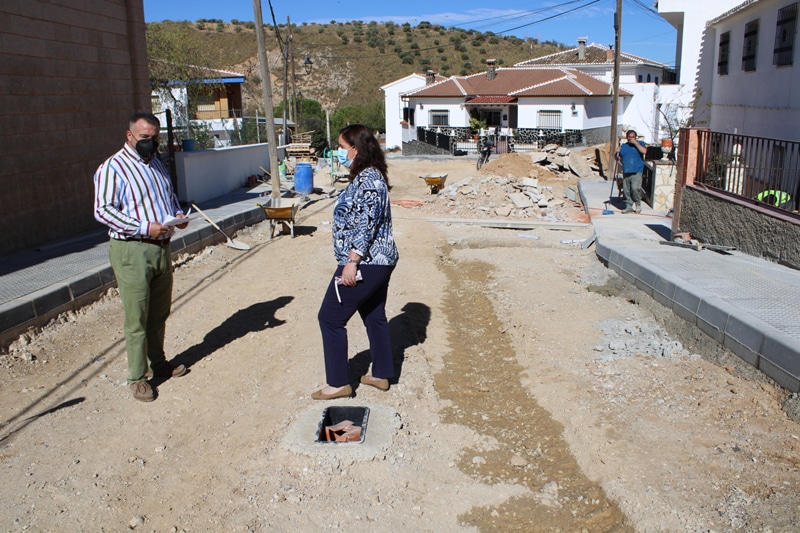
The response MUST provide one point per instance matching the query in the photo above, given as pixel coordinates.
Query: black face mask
(147, 148)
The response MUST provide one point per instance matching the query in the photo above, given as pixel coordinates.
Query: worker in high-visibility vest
(773, 197)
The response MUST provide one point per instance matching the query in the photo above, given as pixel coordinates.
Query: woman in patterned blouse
(364, 247)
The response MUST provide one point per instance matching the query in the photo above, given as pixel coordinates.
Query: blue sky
(644, 33)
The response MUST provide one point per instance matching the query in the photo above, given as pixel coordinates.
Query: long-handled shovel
(608, 211)
(233, 243)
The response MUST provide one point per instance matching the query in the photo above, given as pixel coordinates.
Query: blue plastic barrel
(303, 178)
(188, 145)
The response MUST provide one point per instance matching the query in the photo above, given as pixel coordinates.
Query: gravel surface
(536, 391)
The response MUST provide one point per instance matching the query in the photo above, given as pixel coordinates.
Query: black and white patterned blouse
(362, 221)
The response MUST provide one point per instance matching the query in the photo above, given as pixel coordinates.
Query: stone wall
(596, 136)
(421, 148)
(71, 74)
(754, 231)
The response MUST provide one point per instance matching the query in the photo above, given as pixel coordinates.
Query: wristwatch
(356, 261)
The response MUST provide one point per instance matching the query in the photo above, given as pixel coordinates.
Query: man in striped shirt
(132, 196)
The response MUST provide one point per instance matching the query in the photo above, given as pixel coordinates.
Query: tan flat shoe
(345, 392)
(378, 383)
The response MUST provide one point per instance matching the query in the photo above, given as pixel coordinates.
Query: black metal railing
(766, 170)
(519, 140)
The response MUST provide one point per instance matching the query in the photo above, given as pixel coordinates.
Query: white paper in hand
(338, 281)
(173, 221)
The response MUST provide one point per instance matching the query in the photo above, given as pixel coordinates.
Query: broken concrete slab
(558, 160)
(571, 193)
(579, 165)
(537, 157)
(465, 181)
(520, 200)
(534, 196)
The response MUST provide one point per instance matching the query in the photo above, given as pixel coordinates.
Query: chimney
(610, 53)
(491, 71)
(582, 48)
(430, 77)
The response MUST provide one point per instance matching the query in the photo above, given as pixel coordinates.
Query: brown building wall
(71, 74)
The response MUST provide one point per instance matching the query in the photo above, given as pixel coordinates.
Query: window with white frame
(549, 119)
(724, 49)
(750, 46)
(438, 117)
(785, 32)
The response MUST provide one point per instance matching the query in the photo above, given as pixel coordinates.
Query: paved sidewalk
(747, 304)
(37, 285)
(750, 305)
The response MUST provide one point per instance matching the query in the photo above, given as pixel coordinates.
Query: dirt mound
(514, 186)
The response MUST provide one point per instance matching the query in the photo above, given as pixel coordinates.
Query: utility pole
(286, 45)
(612, 147)
(269, 110)
(294, 79)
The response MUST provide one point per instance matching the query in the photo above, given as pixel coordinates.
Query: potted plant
(476, 125)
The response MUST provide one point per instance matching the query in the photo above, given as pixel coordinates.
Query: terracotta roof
(596, 54)
(514, 82)
(491, 100)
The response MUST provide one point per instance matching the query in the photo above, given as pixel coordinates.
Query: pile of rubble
(530, 185)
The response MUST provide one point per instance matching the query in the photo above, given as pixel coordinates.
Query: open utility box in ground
(334, 427)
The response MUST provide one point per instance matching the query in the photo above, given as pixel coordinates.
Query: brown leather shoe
(345, 392)
(166, 370)
(378, 383)
(142, 391)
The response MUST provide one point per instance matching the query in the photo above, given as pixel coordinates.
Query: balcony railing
(216, 114)
(766, 170)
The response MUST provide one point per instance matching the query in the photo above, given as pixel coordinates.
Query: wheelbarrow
(283, 215)
(435, 182)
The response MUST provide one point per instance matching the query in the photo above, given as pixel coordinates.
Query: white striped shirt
(129, 194)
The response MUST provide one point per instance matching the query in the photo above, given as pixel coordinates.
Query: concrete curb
(36, 309)
(761, 345)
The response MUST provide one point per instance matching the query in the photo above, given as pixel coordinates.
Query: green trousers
(144, 279)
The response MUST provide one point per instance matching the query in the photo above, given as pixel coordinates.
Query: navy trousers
(368, 297)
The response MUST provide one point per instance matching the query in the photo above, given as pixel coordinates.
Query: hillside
(351, 61)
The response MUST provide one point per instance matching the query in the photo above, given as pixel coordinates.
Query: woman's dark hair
(369, 149)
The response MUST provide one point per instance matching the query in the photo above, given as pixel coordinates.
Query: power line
(642, 7)
(520, 14)
(551, 17)
(561, 14)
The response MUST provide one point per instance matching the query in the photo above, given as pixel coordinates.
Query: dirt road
(536, 392)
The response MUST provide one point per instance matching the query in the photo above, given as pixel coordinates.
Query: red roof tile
(513, 82)
(596, 54)
(491, 100)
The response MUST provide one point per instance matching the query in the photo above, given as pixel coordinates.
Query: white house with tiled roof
(657, 101)
(598, 60)
(396, 112)
(533, 98)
